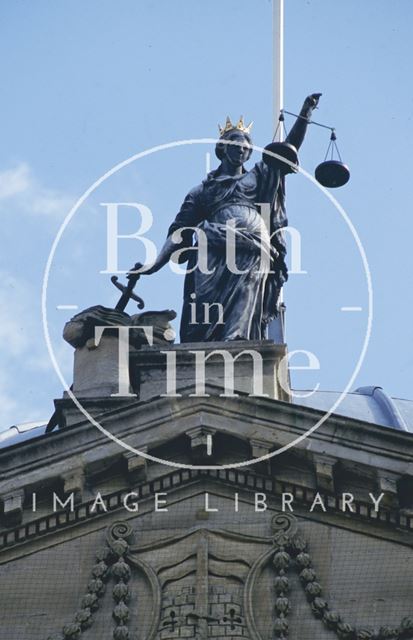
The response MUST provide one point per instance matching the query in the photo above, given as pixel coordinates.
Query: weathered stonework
(253, 362)
(155, 552)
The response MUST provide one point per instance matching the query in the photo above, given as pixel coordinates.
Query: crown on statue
(240, 126)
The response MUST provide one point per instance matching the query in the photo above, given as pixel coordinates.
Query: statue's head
(241, 150)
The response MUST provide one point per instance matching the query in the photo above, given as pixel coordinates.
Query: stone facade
(229, 557)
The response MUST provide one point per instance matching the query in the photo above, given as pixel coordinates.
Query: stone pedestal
(112, 359)
(256, 368)
(104, 340)
(99, 371)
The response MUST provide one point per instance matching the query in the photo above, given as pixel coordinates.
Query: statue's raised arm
(298, 130)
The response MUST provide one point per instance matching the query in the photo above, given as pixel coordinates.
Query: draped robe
(223, 305)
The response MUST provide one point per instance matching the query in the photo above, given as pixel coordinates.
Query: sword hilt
(127, 291)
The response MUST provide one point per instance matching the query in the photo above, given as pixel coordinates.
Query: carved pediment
(210, 582)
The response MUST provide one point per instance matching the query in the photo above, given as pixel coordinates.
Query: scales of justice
(232, 299)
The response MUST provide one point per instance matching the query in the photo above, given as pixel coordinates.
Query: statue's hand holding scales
(312, 100)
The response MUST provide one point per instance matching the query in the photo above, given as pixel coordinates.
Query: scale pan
(283, 149)
(332, 173)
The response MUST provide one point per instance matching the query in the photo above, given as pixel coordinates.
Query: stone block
(216, 630)
(257, 366)
(260, 447)
(324, 470)
(186, 609)
(13, 507)
(73, 482)
(387, 483)
(219, 610)
(137, 465)
(187, 631)
(199, 441)
(217, 590)
(169, 633)
(97, 371)
(225, 597)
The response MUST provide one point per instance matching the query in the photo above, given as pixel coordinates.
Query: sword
(127, 291)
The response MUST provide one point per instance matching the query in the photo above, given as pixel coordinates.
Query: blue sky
(88, 84)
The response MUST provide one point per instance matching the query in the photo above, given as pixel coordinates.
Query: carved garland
(122, 573)
(291, 547)
(283, 527)
(110, 561)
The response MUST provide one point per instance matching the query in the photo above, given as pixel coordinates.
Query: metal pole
(278, 62)
(276, 329)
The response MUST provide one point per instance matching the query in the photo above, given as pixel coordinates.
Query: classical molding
(199, 437)
(150, 424)
(74, 482)
(324, 470)
(387, 483)
(261, 423)
(137, 466)
(240, 480)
